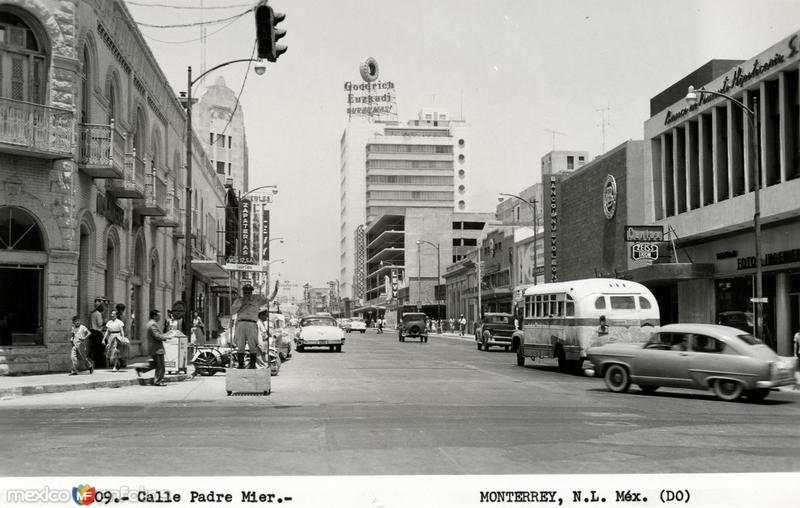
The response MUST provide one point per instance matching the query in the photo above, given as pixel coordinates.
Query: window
(461, 189)
(461, 158)
(570, 162)
(22, 63)
(570, 311)
(456, 242)
(461, 142)
(600, 303)
(644, 303)
(470, 242)
(623, 302)
(704, 344)
(220, 168)
(210, 138)
(461, 173)
(230, 142)
(230, 166)
(462, 204)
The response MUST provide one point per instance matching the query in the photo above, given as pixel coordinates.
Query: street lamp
(532, 204)
(438, 273)
(187, 280)
(692, 98)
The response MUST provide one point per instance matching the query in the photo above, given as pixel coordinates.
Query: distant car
(319, 331)
(357, 325)
(736, 319)
(727, 360)
(412, 324)
(283, 340)
(495, 329)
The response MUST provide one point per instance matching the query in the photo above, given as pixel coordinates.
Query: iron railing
(36, 127)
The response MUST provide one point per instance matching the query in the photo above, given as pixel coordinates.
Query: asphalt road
(386, 407)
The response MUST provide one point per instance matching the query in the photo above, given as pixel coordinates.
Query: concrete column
(783, 131)
(696, 301)
(783, 331)
(663, 174)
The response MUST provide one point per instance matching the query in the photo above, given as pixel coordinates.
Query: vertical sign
(245, 252)
(553, 229)
(394, 284)
(265, 232)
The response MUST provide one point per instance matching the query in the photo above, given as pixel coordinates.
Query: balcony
(35, 130)
(131, 185)
(154, 203)
(172, 219)
(101, 151)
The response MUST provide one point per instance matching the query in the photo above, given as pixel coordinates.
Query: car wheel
(505, 348)
(617, 378)
(363, 331)
(520, 360)
(575, 366)
(426, 339)
(648, 389)
(727, 389)
(339, 349)
(757, 394)
(300, 349)
(332, 348)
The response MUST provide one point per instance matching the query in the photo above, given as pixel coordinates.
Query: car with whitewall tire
(319, 331)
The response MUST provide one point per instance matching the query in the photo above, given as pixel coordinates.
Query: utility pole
(603, 124)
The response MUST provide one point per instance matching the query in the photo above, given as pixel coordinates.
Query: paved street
(385, 407)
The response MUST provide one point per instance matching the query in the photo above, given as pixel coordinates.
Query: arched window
(111, 269)
(21, 287)
(22, 60)
(86, 86)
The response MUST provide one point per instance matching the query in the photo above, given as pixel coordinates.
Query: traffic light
(267, 33)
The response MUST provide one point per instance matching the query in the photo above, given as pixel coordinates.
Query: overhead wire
(223, 27)
(197, 23)
(241, 89)
(189, 7)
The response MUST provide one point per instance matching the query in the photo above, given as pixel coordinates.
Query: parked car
(494, 329)
(357, 325)
(412, 324)
(737, 319)
(319, 331)
(727, 360)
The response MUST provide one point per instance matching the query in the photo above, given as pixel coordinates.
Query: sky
(528, 76)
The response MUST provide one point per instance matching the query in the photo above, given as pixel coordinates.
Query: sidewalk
(18, 386)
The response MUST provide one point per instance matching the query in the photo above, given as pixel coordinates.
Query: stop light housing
(268, 34)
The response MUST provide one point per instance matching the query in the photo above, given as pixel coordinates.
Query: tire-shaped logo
(610, 197)
(369, 69)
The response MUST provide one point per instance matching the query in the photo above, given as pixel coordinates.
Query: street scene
(427, 253)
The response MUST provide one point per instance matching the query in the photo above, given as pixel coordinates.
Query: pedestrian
(124, 346)
(462, 325)
(198, 331)
(380, 325)
(246, 309)
(156, 340)
(797, 354)
(80, 335)
(170, 324)
(602, 328)
(96, 336)
(262, 359)
(115, 341)
(452, 324)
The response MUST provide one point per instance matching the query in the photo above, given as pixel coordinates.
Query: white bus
(563, 319)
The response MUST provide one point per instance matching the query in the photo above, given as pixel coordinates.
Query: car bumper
(773, 383)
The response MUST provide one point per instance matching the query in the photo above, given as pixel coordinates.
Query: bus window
(600, 303)
(644, 303)
(623, 302)
(560, 309)
(538, 307)
(570, 307)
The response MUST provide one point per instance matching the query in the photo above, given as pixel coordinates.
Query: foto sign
(644, 251)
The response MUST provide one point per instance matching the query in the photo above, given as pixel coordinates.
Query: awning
(367, 308)
(209, 269)
(670, 272)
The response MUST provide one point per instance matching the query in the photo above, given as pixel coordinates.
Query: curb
(21, 391)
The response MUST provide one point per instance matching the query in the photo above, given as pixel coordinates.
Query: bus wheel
(575, 366)
(520, 360)
(617, 378)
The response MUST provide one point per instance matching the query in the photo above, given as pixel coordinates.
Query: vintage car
(412, 324)
(727, 360)
(494, 329)
(356, 325)
(319, 331)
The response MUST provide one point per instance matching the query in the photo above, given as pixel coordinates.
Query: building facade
(91, 179)
(387, 167)
(702, 172)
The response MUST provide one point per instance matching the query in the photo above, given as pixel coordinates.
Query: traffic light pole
(188, 287)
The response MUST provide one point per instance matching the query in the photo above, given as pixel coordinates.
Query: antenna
(605, 122)
(554, 132)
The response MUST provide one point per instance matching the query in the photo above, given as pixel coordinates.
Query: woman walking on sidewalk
(115, 341)
(78, 355)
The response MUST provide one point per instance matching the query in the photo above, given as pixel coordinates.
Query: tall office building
(220, 125)
(387, 167)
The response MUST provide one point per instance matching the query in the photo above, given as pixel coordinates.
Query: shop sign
(265, 234)
(726, 254)
(246, 233)
(644, 251)
(644, 234)
(773, 258)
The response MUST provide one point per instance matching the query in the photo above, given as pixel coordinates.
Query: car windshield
(318, 321)
(414, 317)
(357, 320)
(749, 339)
(503, 320)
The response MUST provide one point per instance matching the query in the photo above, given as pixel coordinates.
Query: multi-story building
(701, 169)
(387, 167)
(406, 254)
(220, 124)
(91, 179)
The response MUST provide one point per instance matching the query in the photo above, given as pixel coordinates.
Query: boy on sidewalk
(80, 334)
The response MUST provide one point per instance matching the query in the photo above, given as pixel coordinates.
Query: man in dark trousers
(246, 309)
(156, 340)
